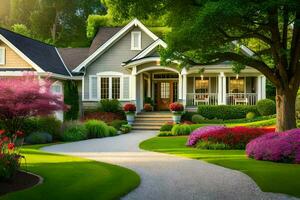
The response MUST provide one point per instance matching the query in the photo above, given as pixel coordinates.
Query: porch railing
(241, 98)
(195, 99)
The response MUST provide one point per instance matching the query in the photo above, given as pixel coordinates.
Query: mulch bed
(104, 116)
(21, 181)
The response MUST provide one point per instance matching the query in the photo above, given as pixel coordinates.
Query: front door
(164, 94)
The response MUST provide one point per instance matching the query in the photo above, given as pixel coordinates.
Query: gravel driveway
(166, 177)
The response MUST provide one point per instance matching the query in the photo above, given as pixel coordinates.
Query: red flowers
(19, 134)
(148, 107)
(11, 146)
(129, 107)
(176, 107)
(2, 132)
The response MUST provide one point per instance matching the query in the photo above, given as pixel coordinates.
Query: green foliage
(21, 29)
(117, 124)
(266, 107)
(39, 138)
(74, 131)
(109, 105)
(9, 164)
(148, 100)
(164, 133)
(226, 111)
(71, 98)
(96, 129)
(126, 128)
(197, 119)
(298, 105)
(211, 145)
(256, 124)
(270, 90)
(250, 115)
(112, 131)
(187, 116)
(166, 127)
(181, 129)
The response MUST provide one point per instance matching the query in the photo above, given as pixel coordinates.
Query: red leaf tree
(24, 97)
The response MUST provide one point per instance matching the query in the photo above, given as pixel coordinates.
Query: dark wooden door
(165, 94)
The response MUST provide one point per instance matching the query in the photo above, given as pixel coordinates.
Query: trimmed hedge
(226, 111)
(266, 107)
(166, 127)
(107, 105)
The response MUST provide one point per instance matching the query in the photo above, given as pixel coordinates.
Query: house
(123, 63)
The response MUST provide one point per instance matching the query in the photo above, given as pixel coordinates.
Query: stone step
(154, 113)
(143, 123)
(154, 116)
(134, 127)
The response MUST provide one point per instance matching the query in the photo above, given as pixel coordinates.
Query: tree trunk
(286, 109)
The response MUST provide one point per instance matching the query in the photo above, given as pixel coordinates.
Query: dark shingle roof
(43, 55)
(73, 56)
(104, 34)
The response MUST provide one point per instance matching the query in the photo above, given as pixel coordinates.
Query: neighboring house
(123, 63)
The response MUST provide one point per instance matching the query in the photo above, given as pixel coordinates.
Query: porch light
(201, 77)
(237, 76)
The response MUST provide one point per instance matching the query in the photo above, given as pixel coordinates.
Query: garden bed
(22, 180)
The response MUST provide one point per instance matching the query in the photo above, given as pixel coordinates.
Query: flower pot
(176, 117)
(130, 118)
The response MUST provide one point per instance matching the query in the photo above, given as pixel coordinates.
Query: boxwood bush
(266, 107)
(96, 129)
(166, 127)
(226, 111)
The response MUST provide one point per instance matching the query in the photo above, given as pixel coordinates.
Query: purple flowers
(198, 133)
(278, 147)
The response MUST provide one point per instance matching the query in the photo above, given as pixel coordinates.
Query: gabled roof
(146, 53)
(42, 57)
(73, 56)
(112, 40)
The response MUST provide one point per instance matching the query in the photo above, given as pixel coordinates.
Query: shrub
(117, 124)
(125, 128)
(109, 105)
(165, 133)
(167, 127)
(112, 131)
(50, 125)
(148, 100)
(197, 119)
(250, 115)
(226, 111)
(74, 131)
(96, 129)
(39, 138)
(104, 116)
(181, 129)
(211, 145)
(129, 107)
(266, 107)
(187, 116)
(71, 98)
(148, 107)
(234, 138)
(277, 147)
(176, 107)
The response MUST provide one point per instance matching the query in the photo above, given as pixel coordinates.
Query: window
(201, 85)
(2, 56)
(136, 40)
(164, 90)
(237, 85)
(93, 87)
(115, 81)
(56, 88)
(126, 81)
(104, 88)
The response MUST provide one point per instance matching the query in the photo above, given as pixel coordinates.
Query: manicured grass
(67, 177)
(270, 176)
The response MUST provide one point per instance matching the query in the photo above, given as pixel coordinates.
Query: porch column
(221, 89)
(261, 87)
(180, 87)
(184, 86)
(149, 87)
(133, 85)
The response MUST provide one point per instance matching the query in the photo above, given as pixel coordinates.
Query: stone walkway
(166, 177)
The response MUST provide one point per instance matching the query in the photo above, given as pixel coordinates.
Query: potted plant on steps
(129, 110)
(177, 110)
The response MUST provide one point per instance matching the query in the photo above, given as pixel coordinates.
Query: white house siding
(113, 58)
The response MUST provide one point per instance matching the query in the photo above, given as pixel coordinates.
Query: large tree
(203, 33)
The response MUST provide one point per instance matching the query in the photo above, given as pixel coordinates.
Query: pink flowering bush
(277, 147)
(233, 138)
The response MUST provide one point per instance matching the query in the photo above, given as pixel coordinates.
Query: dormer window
(2, 56)
(136, 40)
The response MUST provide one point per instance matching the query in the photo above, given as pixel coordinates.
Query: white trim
(63, 61)
(139, 45)
(146, 51)
(82, 88)
(90, 88)
(3, 56)
(117, 36)
(110, 73)
(158, 68)
(22, 55)
(142, 61)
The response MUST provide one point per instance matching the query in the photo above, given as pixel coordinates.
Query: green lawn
(271, 177)
(67, 177)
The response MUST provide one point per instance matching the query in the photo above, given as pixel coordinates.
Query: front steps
(151, 120)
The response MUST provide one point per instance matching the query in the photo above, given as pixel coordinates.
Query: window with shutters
(136, 40)
(2, 56)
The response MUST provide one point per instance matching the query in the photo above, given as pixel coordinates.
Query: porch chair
(198, 98)
(240, 101)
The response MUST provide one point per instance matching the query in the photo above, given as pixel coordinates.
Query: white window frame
(90, 88)
(3, 56)
(59, 84)
(139, 35)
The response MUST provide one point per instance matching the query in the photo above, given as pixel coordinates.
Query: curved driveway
(166, 177)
